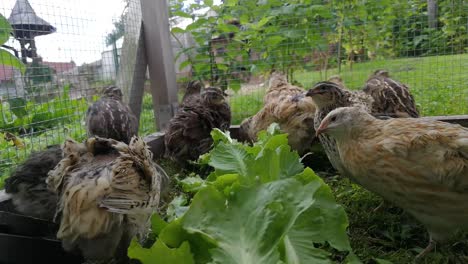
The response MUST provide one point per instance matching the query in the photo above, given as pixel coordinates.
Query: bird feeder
(26, 26)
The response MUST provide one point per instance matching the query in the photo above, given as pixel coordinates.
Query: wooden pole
(132, 70)
(138, 80)
(160, 60)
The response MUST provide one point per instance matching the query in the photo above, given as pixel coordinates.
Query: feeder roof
(26, 23)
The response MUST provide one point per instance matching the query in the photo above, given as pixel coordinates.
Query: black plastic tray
(13, 223)
(17, 249)
(25, 240)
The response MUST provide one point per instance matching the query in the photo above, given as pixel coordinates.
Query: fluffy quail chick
(107, 192)
(27, 188)
(188, 133)
(287, 105)
(391, 98)
(192, 92)
(110, 117)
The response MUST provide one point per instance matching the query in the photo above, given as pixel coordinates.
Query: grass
(439, 83)
(389, 233)
(243, 106)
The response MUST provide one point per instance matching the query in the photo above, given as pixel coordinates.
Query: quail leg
(379, 207)
(428, 249)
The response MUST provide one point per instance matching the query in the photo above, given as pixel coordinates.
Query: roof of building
(7, 72)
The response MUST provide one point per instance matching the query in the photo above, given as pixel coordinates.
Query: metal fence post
(160, 60)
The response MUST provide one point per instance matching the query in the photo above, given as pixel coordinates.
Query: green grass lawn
(439, 83)
(389, 233)
(243, 106)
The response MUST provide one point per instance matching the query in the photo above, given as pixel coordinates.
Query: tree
(304, 34)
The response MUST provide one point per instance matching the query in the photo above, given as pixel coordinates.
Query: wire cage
(237, 43)
(74, 48)
(60, 55)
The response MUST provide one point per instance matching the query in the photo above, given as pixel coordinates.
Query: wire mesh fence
(234, 44)
(70, 51)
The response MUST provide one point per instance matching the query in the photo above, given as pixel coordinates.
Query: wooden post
(138, 82)
(132, 70)
(160, 60)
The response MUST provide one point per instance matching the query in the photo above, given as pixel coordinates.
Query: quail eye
(333, 119)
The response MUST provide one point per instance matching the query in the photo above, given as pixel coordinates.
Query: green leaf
(382, 261)
(208, 2)
(321, 10)
(222, 67)
(5, 30)
(182, 14)
(229, 158)
(227, 28)
(177, 207)
(273, 129)
(220, 136)
(157, 224)
(235, 85)
(275, 160)
(267, 167)
(7, 58)
(225, 182)
(18, 106)
(274, 40)
(160, 253)
(244, 19)
(184, 64)
(192, 184)
(259, 205)
(300, 251)
(250, 226)
(275, 141)
(262, 22)
(176, 30)
(324, 221)
(231, 2)
(174, 236)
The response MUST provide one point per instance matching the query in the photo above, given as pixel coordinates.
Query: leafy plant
(37, 73)
(306, 34)
(19, 114)
(259, 205)
(7, 58)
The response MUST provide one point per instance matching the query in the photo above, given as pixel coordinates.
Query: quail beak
(322, 128)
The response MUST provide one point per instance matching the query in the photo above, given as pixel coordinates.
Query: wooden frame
(150, 46)
(160, 60)
(147, 46)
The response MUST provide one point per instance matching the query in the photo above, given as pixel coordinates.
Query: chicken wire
(231, 44)
(235, 44)
(65, 73)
